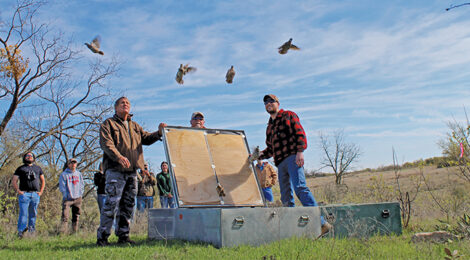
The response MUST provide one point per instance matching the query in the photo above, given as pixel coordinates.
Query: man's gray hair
(118, 100)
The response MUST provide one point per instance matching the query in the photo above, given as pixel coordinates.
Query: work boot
(325, 228)
(74, 227)
(21, 233)
(64, 227)
(125, 240)
(102, 242)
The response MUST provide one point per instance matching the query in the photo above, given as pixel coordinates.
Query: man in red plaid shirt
(286, 141)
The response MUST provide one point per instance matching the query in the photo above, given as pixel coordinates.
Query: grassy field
(83, 247)
(444, 197)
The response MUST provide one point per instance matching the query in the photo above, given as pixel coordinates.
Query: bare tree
(51, 110)
(403, 196)
(68, 125)
(337, 154)
(22, 77)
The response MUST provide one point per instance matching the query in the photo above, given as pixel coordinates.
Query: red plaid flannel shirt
(285, 136)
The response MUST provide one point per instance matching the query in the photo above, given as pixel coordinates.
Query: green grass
(83, 247)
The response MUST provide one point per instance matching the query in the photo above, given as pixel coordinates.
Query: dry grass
(449, 190)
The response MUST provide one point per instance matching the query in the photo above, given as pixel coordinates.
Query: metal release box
(227, 227)
(363, 220)
(219, 199)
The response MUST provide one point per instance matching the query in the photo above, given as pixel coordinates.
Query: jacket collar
(279, 115)
(129, 117)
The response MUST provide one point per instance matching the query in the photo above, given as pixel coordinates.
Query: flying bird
(94, 46)
(229, 76)
(286, 46)
(182, 70)
(254, 155)
(220, 190)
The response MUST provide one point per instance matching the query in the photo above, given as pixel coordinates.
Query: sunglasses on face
(28, 155)
(269, 101)
(73, 162)
(198, 118)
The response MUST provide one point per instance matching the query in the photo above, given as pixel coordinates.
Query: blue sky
(390, 73)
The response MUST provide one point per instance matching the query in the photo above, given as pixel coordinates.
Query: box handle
(304, 219)
(239, 221)
(385, 213)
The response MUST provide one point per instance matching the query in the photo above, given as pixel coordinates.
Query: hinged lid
(212, 168)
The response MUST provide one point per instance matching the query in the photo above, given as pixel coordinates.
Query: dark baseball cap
(72, 160)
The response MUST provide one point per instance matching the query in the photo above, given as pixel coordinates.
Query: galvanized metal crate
(227, 227)
(203, 160)
(363, 220)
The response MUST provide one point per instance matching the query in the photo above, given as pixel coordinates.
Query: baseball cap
(196, 114)
(271, 96)
(72, 160)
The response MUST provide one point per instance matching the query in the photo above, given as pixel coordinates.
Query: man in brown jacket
(267, 176)
(146, 190)
(121, 140)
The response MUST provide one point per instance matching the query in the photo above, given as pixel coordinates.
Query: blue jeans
(292, 177)
(268, 194)
(166, 202)
(101, 199)
(28, 203)
(144, 202)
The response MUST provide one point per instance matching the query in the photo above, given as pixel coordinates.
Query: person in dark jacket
(99, 180)
(29, 191)
(164, 187)
(121, 140)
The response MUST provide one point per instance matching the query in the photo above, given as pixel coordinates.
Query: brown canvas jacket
(115, 141)
(146, 184)
(268, 176)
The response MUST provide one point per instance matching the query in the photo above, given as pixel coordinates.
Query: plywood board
(192, 167)
(230, 156)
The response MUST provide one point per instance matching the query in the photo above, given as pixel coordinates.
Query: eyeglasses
(28, 155)
(269, 101)
(73, 162)
(198, 118)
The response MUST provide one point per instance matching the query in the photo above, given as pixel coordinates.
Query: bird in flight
(286, 46)
(230, 74)
(94, 46)
(254, 155)
(182, 70)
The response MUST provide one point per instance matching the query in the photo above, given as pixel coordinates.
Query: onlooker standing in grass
(146, 190)
(121, 140)
(164, 187)
(286, 141)
(267, 176)
(29, 191)
(100, 181)
(72, 186)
